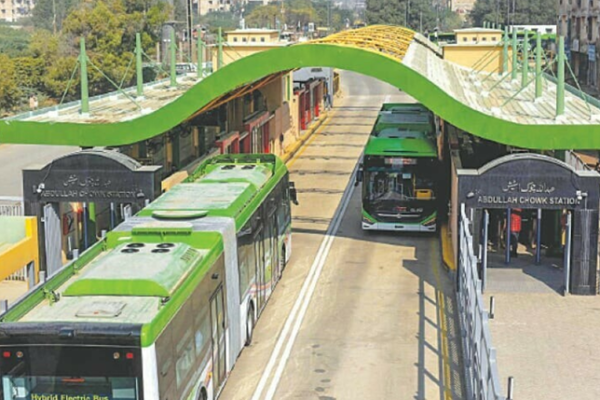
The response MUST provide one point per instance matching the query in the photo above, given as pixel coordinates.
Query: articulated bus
(161, 308)
(399, 171)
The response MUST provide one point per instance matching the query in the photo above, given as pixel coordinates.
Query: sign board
(529, 181)
(92, 176)
(591, 50)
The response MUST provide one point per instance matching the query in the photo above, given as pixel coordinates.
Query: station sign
(529, 181)
(92, 176)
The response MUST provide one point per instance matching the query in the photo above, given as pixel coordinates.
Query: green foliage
(263, 16)
(527, 12)
(13, 42)
(50, 14)
(219, 19)
(9, 91)
(44, 63)
(419, 15)
(299, 13)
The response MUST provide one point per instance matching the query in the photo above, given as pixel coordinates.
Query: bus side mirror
(293, 193)
(359, 175)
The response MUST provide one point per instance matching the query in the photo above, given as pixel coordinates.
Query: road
(13, 158)
(356, 315)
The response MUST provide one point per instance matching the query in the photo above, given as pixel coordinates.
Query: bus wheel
(249, 326)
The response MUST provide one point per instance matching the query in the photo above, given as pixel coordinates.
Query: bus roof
(406, 107)
(401, 133)
(126, 277)
(393, 117)
(226, 186)
(406, 147)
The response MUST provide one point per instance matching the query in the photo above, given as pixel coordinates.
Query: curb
(447, 251)
(302, 139)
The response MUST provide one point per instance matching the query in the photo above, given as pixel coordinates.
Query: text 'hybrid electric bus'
(399, 171)
(161, 308)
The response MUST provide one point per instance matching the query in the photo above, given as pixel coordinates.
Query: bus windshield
(69, 373)
(400, 183)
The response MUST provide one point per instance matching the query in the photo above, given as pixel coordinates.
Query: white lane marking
(323, 248)
(320, 263)
(387, 98)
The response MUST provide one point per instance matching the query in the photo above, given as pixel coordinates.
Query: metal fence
(11, 206)
(481, 371)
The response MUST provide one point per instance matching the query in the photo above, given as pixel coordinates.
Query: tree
(109, 28)
(420, 15)
(50, 14)
(219, 19)
(529, 12)
(263, 16)
(14, 42)
(9, 91)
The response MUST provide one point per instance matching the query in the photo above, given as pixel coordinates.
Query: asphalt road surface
(356, 315)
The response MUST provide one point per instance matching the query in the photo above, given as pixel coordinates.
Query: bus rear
(52, 361)
(399, 185)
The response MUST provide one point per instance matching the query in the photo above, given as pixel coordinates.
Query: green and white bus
(399, 171)
(161, 308)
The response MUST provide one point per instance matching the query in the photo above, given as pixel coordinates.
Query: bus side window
(164, 360)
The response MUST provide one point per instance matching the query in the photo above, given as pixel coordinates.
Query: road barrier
(481, 372)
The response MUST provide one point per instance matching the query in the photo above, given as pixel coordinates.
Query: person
(515, 230)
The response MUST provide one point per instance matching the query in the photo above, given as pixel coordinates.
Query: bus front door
(217, 319)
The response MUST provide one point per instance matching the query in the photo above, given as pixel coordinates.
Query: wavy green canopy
(348, 54)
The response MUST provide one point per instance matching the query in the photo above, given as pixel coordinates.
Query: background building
(13, 10)
(578, 23)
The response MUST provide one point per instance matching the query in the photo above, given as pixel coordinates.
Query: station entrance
(535, 213)
(78, 196)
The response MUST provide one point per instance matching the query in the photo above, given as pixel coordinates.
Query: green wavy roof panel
(454, 93)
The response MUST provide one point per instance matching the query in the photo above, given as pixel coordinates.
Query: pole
(85, 96)
(112, 216)
(525, 66)
(538, 65)
(486, 224)
(567, 254)
(138, 65)
(513, 74)
(328, 17)
(85, 226)
(560, 84)
(220, 53)
(511, 388)
(507, 252)
(172, 48)
(505, 52)
(538, 237)
(200, 68)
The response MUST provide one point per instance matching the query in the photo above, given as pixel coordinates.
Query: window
(484, 39)
(464, 39)
(253, 39)
(185, 358)
(262, 39)
(474, 38)
(235, 39)
(243, 39)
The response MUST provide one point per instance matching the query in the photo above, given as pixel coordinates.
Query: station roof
(489, 106)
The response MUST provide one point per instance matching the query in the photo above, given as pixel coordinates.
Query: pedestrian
(515, 230)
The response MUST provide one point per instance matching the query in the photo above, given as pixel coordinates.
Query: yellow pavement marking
(444, 333)
(310, 140)
(447, 250)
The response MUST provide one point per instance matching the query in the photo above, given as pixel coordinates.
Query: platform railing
(481, 371)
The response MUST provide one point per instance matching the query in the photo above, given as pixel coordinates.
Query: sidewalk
(548, 343)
